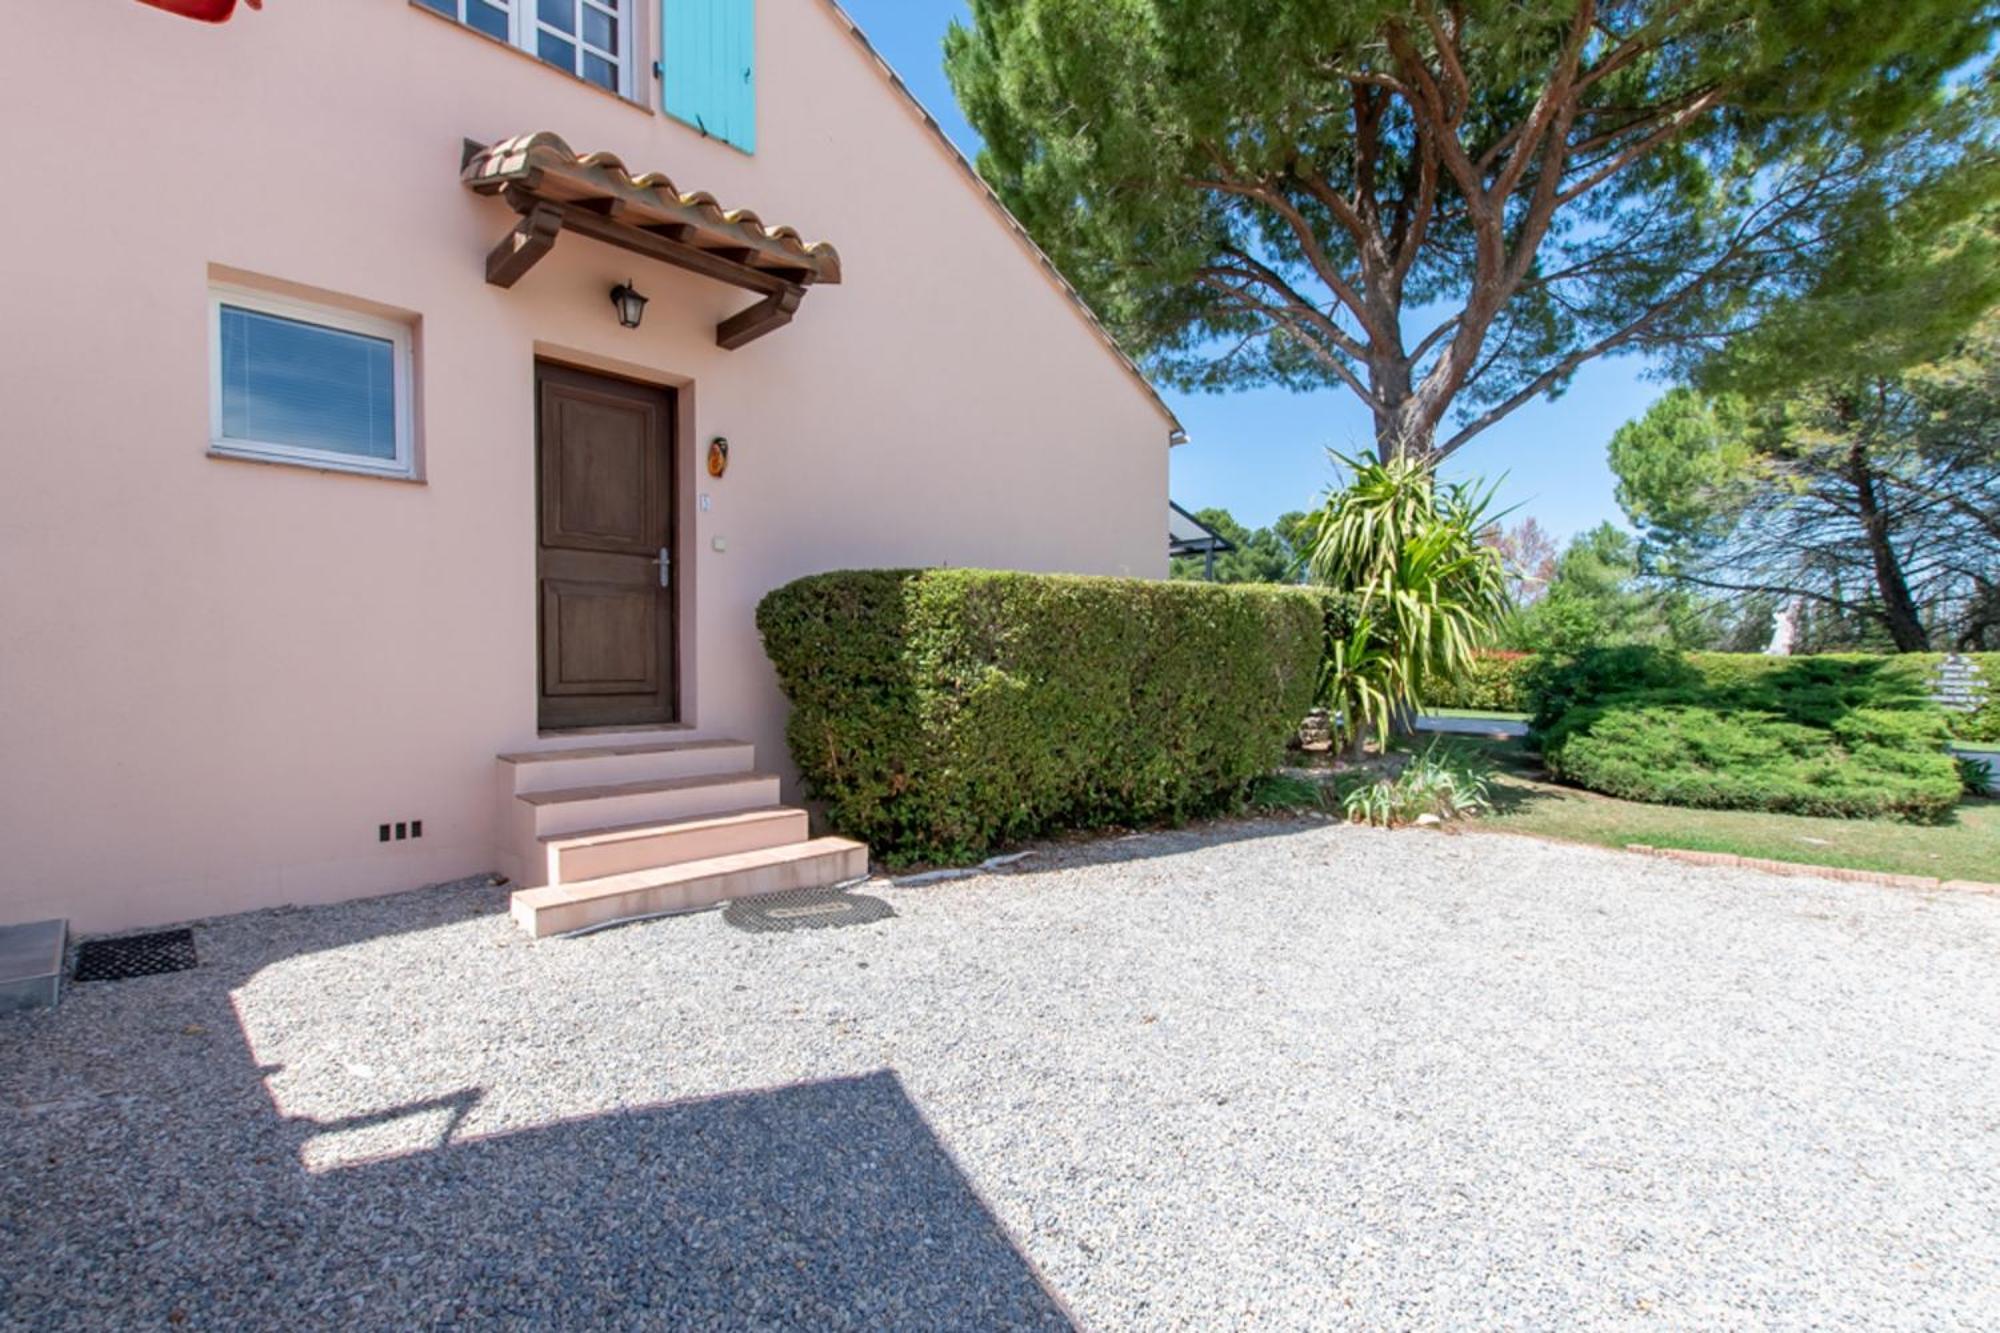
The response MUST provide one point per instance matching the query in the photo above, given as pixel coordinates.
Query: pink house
(355, 536)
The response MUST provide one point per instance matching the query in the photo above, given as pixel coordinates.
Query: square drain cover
(135, 956)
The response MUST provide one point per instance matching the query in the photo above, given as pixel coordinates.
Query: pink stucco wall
(218, 677)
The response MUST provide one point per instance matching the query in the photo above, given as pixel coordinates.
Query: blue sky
(1262, 452)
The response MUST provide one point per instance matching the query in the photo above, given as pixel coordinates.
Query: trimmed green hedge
(1503, 682)
(1833, 734)
(1495, 682)
(939, 713)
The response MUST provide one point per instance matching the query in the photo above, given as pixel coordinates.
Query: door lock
(665, 560)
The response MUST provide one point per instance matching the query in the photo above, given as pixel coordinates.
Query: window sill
(641, 74)
(229, 455)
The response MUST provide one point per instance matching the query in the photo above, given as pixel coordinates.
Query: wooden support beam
(523, 247)
(610, 209)
(767, 316)
(543, 221)
(668, 251)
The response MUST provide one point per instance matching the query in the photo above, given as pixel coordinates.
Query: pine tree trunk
(1899, 609)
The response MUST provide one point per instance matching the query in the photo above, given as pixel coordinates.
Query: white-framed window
(296, 382)
(591, 39)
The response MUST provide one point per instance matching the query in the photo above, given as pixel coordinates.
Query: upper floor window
(591, 39)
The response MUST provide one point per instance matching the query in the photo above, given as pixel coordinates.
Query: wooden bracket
(542, 221)
(767, 316)
(522, 248)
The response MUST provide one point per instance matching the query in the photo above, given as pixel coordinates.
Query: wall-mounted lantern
(631, 305)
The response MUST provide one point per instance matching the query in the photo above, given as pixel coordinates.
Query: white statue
(1785, 629)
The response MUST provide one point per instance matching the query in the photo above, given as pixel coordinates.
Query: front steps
(559, 908)
(603, 833)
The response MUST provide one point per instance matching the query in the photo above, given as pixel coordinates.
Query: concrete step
(690, 886)
(656, 800)
(603, 765)
(31, 964)
(596, 853)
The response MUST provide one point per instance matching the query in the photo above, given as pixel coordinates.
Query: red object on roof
(208, 11)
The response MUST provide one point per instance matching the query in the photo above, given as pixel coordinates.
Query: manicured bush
(1834, 734)
(939, 713)
(1492, 682)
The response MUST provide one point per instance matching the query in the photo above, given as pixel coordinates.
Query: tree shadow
(1098, 847)
(149, 1178)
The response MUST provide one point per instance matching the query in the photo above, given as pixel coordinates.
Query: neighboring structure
(330, 473)
(1189, 536)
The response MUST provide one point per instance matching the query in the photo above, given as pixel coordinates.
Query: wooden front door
(605, 451)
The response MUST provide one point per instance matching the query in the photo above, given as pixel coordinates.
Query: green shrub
(1834, 734)
(1813, 690)
(1443, 781)
(1491, 682)
(941, 712)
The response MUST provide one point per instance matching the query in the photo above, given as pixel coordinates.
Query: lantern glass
(631, 305)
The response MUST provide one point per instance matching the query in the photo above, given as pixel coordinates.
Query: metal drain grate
(135, 956)
(805, 909)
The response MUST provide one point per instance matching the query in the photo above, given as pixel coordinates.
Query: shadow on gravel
(131, 1197)
(1101, 848)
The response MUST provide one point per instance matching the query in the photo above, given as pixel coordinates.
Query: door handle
(665, 560)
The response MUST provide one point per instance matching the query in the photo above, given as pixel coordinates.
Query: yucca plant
(1443, 781)
(1428, 592)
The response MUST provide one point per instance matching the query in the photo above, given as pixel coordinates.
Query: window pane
(556, 51)
(441, 6)
(559, 14)
(288, 382)
(489, 19)
(600, 29)
(600, 71)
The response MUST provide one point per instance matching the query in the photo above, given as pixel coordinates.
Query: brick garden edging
(1816, 872)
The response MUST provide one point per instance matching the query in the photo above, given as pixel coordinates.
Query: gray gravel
(1276, 1075)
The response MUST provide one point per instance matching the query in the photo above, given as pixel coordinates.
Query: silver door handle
(665, 560)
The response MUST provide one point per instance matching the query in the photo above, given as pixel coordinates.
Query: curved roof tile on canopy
(543, 166)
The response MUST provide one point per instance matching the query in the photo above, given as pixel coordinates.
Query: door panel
(605, 450)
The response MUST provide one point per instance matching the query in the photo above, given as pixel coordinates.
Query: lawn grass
(1526, 801)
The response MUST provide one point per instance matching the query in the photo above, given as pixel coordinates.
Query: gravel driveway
(1278, 1075)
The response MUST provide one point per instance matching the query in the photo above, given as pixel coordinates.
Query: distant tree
(1449, 206)
(1841, 458)
(1530, 555)
(1276, 554)
(1599, 597)
(1872, 497)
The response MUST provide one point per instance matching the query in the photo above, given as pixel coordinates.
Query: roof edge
(1177, 433)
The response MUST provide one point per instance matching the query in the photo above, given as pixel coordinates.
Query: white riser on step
(689, 887)
(619, 852)
(639, 803)
(593, 766)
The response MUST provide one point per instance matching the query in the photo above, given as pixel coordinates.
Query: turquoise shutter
(708, 67)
